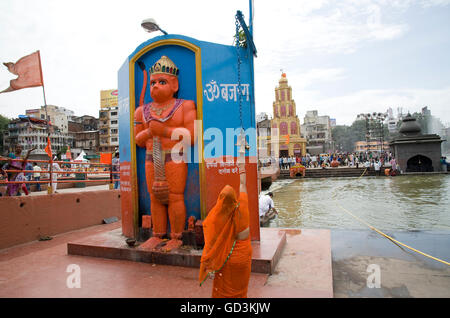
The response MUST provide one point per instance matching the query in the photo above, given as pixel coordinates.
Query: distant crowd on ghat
(344, 159)
(18, 174)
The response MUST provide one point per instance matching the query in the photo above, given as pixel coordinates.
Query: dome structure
(415, 151)
(410, 126)
(283, 78)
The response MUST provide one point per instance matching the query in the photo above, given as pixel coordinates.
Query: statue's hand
(142, 137)
(158, 129)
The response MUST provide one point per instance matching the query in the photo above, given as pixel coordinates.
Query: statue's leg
(158, 212)
(176, 174)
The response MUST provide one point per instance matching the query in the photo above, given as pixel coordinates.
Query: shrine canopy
(81, 157)
(219, 79)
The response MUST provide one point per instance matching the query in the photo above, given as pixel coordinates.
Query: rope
(383, 234)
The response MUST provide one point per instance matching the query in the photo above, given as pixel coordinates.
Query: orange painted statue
(334, 163)
(164, 128)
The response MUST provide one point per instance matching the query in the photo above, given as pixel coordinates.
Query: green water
(387, 203)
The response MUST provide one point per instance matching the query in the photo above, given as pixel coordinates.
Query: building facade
(108, 121)
(285, 125)
(29, 132)
(83, 123)
(263, 132)
(371, 146)
(58, 116)
(317, 131)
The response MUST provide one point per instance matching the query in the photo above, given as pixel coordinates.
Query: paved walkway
(39, 269)
(71, 190)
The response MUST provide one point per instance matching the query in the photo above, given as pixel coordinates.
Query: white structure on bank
(317, 131)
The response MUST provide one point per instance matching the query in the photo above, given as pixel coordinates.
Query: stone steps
(329, 173)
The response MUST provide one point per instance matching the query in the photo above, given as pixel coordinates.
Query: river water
(404, 203)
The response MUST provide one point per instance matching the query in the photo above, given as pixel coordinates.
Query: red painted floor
(39, 269)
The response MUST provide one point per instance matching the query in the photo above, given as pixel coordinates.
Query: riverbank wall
(344, 172)
(329, 173)
(28, 218)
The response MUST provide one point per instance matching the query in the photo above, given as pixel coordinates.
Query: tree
(344, 137)
(4, 121)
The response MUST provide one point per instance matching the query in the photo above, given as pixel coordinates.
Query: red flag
(29, 72)
(48, 149)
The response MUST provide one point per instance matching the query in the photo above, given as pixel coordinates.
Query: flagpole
(250, 23)
(43, 91)
(50, 188)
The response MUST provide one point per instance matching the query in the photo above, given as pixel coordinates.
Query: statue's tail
(144, 83)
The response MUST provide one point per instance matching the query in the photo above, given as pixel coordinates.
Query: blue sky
(341, 57)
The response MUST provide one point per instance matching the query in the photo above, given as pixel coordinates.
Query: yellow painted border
(198, 71)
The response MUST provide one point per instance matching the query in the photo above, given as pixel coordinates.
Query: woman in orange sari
(227, 255)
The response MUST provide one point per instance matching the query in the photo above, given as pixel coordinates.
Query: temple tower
(286, 120)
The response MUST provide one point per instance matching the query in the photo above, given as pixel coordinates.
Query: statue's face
(163, 87)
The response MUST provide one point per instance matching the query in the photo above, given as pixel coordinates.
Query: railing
(79, 168)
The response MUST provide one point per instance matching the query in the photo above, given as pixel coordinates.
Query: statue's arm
(190, 115)
(141, 134)
(184, 132)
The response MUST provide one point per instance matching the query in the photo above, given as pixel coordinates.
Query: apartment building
(263, 125)
(58, 116)
(83, 123)
(108, 121)
(317, 131)
(30, 132)
(371, 146)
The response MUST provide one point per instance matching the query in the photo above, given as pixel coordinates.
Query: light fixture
(150, 25)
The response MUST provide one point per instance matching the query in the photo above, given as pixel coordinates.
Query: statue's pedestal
(112, 244)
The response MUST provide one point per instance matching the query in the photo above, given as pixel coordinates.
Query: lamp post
(150, 25)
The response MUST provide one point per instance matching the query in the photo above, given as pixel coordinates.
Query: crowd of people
(17, 168)
(371, 160)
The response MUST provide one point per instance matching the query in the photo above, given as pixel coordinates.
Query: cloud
(345, 108)
(84, 43)
(434, 3)
(326, 28)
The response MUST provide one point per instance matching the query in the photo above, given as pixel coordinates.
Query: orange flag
(106, 158)
(287, 139)
(68, 153)
(48, 149)
(29, 72)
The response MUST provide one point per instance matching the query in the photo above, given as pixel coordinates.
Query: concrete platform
(42, 269)
(111, 244)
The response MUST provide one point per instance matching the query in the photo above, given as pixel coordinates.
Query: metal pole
(111, 181)
(43, 91)
(50, 189)
(250, 22)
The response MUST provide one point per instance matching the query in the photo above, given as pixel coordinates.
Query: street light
(150, 25)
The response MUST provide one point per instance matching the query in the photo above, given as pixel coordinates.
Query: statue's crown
(164, 66)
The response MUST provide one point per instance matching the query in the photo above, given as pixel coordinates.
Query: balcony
(103, 125)
(104, 142)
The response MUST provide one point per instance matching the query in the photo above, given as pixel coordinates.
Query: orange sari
(224, 255)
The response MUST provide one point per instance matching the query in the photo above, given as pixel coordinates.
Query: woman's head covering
(219, 228)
